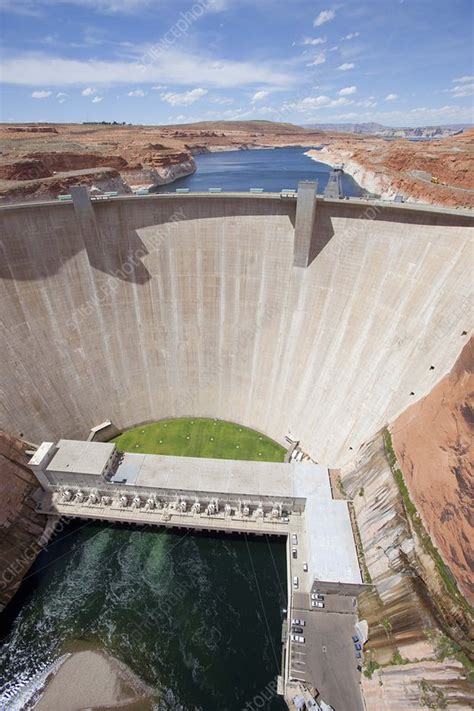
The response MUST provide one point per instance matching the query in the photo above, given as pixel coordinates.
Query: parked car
(317, 603)
(355, 638)
(294, 539)
(305, 567)
(297, 638)
(294, 552)
(317, 596)
(295, 582)
(297, 630)
(357, 646)
(358, 655)
(297, 621)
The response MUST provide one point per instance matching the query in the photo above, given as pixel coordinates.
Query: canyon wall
(20, 526)
(429, 684)
(433, 440)
(388, 168)
(418, 632)
(103, 179)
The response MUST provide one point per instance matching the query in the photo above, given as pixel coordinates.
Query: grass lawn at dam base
(200, 437)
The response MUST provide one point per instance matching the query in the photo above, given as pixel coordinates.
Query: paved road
(440, 185)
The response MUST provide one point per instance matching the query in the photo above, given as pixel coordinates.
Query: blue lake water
(270, 169)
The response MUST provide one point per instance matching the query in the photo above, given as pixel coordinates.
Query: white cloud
(324, 16)
(462, 90)
(60, 94)
(463, 79)
(391, 97)
(350, 36)
(313, 42)
(41, 94)
(178, 119)
(346, 66)
(260, 96)
(341, 102)
(137, 92)
(223, 101)
(317, 102)
(186, 98)
(159, 87)
(34, 7)
(176, 65)
(89, 91)
(367, 103)
(319, 59)
(347, 90)
(420, 116)
(97, 99)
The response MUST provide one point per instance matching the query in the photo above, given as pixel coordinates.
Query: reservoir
(271, 169)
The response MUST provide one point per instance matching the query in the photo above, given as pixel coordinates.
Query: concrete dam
(311, 320)
(135, 309)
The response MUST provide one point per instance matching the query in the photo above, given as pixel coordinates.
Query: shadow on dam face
(213, 320)
(54, 238)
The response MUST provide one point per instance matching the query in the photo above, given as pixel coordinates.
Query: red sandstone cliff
(406, 167)
(143, 155)
(20, 526)
(433, 440)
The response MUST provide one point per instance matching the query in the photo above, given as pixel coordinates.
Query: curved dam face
(190, 305)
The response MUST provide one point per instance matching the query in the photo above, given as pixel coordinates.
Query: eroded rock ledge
(414, 626)
(21, 528)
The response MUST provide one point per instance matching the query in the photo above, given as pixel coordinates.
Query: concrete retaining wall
(191, 306)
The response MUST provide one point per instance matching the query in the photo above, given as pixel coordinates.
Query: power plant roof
(79, 457)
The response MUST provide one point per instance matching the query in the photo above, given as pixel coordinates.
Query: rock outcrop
(144, 155)
(414, 625)
(104, 179)
(21, 528)
(432, 685)
(388, 168)
(61, 161)
(433, 440)
(28, 169)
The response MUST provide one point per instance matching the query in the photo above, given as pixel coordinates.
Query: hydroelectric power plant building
(305, 317)
(92, 480)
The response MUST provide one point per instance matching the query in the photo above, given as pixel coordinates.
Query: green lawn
(199, 437)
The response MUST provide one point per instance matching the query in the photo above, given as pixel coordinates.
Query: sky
(396, 62)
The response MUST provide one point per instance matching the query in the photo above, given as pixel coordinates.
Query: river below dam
(196, 617)
(271, 169)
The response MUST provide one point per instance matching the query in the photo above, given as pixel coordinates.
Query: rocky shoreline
(437, 172)
(42, 165)
(367, 179)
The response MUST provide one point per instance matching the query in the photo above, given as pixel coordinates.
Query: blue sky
(398, 62)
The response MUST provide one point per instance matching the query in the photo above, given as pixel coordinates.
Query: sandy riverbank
(94, 680)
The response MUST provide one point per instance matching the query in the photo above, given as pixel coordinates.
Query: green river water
(196, 617)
